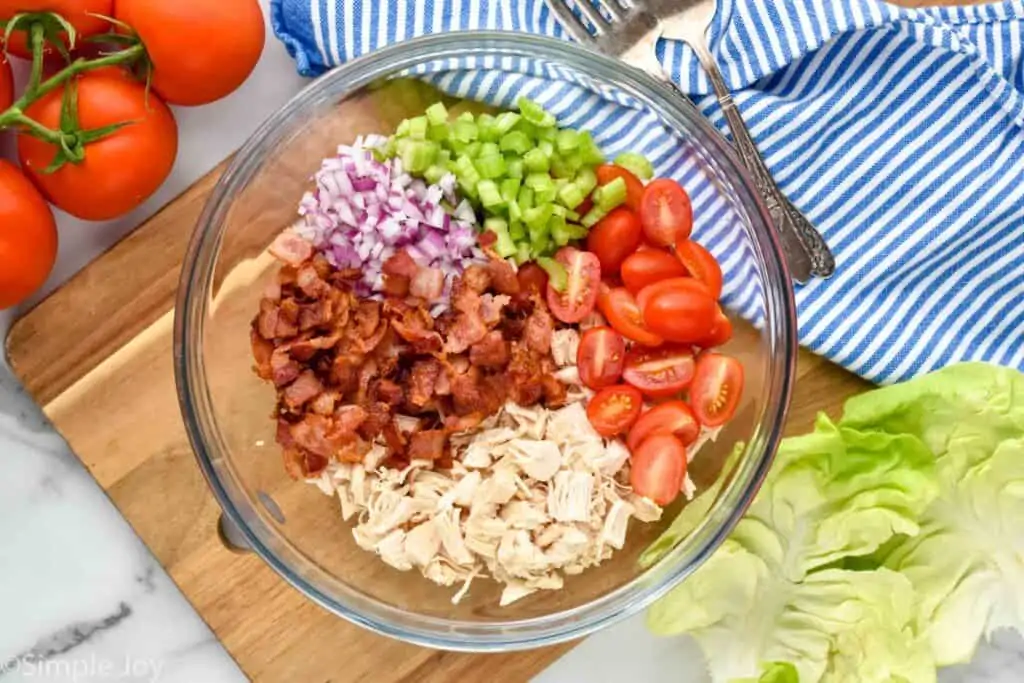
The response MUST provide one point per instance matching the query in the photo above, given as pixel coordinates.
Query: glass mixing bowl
(227, 410)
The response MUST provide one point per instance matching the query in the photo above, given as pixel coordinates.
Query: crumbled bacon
(428, 444)
(344, 368)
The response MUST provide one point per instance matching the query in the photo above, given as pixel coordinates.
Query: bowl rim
(653, 582)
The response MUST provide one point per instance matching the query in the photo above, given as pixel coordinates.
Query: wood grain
(106, 336)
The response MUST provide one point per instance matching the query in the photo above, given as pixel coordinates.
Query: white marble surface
(81, 599)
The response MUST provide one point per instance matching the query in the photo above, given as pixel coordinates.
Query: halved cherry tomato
(584, 271)
(600, 356)
(634, 186)
(716, 389)
(613, 410)
(671, 417)
(720, 333)
(666, 213)
(685, 283)
(647, 267)
(532, 278)
(680, 315)
(615, 237)
(620, 308)
(658, 467)
(659, 372)
(701, 264)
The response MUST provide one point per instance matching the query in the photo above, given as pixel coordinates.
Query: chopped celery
(546, 134)
(546, 148)
(514, 212)
(567, 140)
(538, 181)
(546, 194)
(466, 116)
(560, 232)
(473, 149)
(514, 167)
(576, 231)
(434, 173)
(509, 189)
(464, 131)
(437, 114)
(418, 155)
(637, 164)
(438, 133)
(466, 172)
(535, 114)
(488, 130)
(586, 180)
(489, 194)
(523, 253)
(488, 149)
(591, 218)
(517, 231)
(535, 161)
(571, 196)
(403, 129)
(589, 150)
(505, 121)
(505, 246)
(558, 278)
(418, 128)
(571, 215)
(608, 196)
(516, 141)
(525, 200)
(491, 167)
(537, 217)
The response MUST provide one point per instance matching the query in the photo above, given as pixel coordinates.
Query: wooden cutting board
(96, 355)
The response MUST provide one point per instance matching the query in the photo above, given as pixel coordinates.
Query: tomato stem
(37, 36)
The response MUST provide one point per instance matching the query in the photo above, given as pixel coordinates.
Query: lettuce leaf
(768, 594)
(967, 563)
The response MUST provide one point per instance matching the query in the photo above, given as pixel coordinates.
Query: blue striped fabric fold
(900, 133)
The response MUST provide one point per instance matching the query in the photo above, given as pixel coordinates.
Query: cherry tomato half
(532, 279)
(716, 388)
(649, 266)
(622, 312)
(615, 237)
(701, 265)
(680, 315)
(671, 417)
(584, 271)
(613, 410)
(659, 373)
(634, 186)
(600, 357)
(666, 213)
(658, 468)
(721, 332)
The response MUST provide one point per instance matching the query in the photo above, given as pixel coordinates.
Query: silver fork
(632, 34)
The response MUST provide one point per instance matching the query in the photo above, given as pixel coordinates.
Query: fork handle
(806, 251)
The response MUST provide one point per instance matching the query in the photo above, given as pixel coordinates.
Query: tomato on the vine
(200, 50)
(79, 13)
(6, 83)
(634, 186)
(28, 237)
(119, 171)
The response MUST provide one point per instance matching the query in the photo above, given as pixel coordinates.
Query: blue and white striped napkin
(900, 134)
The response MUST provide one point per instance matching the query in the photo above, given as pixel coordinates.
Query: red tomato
(680, 315)
(6, 83)
(76, 12)
(666, 213)
(647, 267)
(28, 237)
(201, 50)
(580, 293)
(532, 278)
(659, 373)
(716, 389)
(721, 332)
(120, 171)
(620, 308)
(615, 237)
(634, 186)
(687, 284)
(702, 265)
(658, 467)
(600, 356)
(613, 410)
(671, 417)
